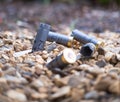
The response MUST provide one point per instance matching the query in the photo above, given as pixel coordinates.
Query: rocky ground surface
(26, 78)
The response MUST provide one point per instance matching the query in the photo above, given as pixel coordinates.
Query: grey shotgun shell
(83, 38)
(88, 50)
(60, 39)
(63, 59)
(41, 37)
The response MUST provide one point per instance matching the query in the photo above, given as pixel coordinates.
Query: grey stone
(101, 63)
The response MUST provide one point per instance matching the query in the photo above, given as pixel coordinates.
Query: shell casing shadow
(83, 38)
(88, 50)
(60, 39)
(62, 60)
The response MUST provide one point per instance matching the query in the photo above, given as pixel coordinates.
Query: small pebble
(114, 70)
(61, 92)
(37, 84)
(3, 80)
(118, 57)
(74, 81)
(16, 95)
(109, 56)
(51, 47)
(101, 63)
(39, 59)
(115, 87)
(1, 42)
(77, 92)
(103, 82)
(92, 95)
(113, 60)
(13, 79)
(10, 71)
(1, 73)
(118, 65)
(39, 95)
(45, 56)
(60, 81)
(101, 51)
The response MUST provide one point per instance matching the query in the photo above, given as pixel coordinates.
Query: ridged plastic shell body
(60, 39)
(83, 38)
(41, 37)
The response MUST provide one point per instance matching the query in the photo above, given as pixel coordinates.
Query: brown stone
(61, 92)
(61, 81)
(16, 95)
(39, 95)
(115, 87)
(77, 94)
(109, 55)
(102, 83)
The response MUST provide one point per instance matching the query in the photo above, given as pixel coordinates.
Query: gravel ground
(26, 78)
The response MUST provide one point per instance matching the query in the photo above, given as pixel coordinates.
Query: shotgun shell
(65, 58)
(60, 39)
(83, 38)
(88, 50)
(41, 37)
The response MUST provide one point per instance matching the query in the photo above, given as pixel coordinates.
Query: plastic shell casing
(60, 39)
(41, 37)
(63, 59)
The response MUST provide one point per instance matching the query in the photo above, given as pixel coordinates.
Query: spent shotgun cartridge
(88, 50)
(83, 38)
(44, 34)
(66, 57)
(41, 37)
